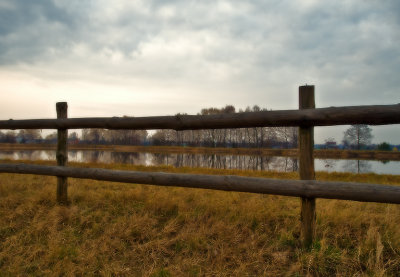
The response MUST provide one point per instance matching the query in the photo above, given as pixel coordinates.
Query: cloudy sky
(140, 58)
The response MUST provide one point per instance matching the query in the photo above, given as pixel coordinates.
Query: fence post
(306, 166)
(62, 154)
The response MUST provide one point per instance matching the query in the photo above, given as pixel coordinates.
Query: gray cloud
(31, 29)
(266, 34)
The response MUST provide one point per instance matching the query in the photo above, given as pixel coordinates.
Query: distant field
(115, 229)
(322, 154)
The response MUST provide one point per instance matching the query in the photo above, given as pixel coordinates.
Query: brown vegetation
(120, 229)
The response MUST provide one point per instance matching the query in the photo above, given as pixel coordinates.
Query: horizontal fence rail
(363, 192)
(372, 115)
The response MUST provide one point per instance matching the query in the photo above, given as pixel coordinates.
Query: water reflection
(329, 164)
(357, 166)
(241, 162)
(25, 155)
(225, 161)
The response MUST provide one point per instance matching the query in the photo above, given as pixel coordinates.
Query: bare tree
(10, 137)
(93, 135)
(357, 136)
(288, 136)
(29, 135)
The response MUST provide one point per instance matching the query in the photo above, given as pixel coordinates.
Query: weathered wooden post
(62, 154)
(306, 166)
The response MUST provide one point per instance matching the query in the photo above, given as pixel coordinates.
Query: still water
(242, 162)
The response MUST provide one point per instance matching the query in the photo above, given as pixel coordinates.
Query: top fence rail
(371, 115)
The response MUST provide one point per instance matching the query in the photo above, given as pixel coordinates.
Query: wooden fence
(305, 118)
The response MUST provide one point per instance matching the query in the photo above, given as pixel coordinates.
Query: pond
(241, 162)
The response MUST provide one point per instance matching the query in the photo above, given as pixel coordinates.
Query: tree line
(282, 137)
(355, 137)
(235, 137)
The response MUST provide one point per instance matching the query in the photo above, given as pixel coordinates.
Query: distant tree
(357, 136)
(384, 146)
(164, 137)
(9, 137)
(159, 137)
(128, 137)
(73, 137)
(288, 136)
(93, 135)
(29, 135)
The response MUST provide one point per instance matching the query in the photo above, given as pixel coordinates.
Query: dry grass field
(114, 229)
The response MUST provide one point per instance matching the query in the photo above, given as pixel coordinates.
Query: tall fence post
(306, 166)
(62, 154)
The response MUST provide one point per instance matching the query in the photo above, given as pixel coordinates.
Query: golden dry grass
(114, 229)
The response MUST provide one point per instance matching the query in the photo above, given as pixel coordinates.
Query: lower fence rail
(363, 192)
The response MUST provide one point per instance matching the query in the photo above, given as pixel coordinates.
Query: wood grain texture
(297, 188)
(372, 115)
(62, 154)
(306, 166)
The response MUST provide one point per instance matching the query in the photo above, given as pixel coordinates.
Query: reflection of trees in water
(8, 155)
(114, 157)
(25, 155)
(284, 164)
(160, 159)
(51, 154)
(226, 161)
(72, 155)
(241, 162)
(33, 155)
(294, 164)
(91, 156)
(329, 164)
(127, 158)
(357, 166)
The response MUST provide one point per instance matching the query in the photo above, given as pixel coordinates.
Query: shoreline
(319, 154)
